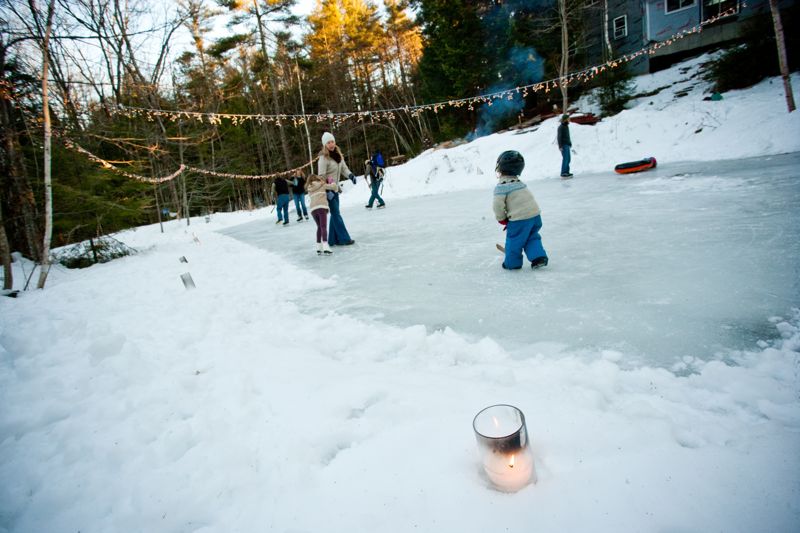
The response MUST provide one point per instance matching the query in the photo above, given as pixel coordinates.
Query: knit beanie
(327, 137)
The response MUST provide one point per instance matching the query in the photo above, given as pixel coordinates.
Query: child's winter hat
(510, 163)
(327, 137)
(564, 118)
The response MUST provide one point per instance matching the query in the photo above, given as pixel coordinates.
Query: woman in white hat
(332, 167)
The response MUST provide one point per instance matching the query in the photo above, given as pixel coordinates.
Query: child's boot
(539, 262)
(326, 249)
(319, 248)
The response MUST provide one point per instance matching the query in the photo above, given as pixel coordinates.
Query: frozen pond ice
(689, 259)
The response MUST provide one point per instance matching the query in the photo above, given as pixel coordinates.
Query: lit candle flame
(511, 462)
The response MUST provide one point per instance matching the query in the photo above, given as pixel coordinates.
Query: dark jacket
(300, 188)
(281, 186)
(563, 135)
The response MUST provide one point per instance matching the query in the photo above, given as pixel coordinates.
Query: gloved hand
(504, 222)
(352, 178)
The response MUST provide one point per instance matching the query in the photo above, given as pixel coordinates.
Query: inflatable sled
(636, 166)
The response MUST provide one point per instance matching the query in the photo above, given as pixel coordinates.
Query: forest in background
(230, 89)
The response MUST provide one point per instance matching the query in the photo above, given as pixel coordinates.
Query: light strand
(582, 76)
(183, 168)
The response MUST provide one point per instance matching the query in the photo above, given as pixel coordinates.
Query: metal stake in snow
(187, 280)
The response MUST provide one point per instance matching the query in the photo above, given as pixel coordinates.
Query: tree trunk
(782, 62)
(5, 256)
(563, 68)
(48, 186)
(303, 110)
(605, 31)
(273, 86)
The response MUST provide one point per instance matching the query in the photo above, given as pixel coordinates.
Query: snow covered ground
(657, 359)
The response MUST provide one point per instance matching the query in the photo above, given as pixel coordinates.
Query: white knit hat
(327, 137)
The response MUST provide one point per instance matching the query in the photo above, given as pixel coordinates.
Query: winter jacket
(513, 200)
(317, 195)
(281, 186)
(332, 171)
(563, 135)
(299, 186)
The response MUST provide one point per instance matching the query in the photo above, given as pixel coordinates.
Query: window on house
(677, 5)
(621, 27)
(713, 8)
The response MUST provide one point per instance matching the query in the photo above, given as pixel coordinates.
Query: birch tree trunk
(605, 31)
(48, 186)
(563, 68)
(782, 62)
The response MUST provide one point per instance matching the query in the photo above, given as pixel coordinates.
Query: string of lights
(183, 168)
(581, 76)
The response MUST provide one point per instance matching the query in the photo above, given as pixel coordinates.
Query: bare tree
(5, 256)
(782, 61)
(44, 29)
(563, 68)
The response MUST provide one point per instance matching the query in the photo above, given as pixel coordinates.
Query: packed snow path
(637, 264)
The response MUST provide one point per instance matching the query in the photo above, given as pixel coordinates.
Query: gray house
(635, 24)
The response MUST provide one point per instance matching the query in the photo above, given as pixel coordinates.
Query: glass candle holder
(503, 446)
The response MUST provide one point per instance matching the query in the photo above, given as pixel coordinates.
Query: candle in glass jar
(503, 443)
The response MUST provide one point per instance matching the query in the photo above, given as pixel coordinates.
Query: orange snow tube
(636, 166)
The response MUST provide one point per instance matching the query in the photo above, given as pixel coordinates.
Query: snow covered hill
(657, 359)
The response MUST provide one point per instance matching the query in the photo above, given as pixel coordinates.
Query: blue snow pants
(283, 207)
(300, 205)
(337, 232)
(375, 187)
(523, 235)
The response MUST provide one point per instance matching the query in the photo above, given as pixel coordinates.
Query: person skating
(515, 207)
(332, 167)
(281, 189)
(564, 146)
(375, 179)
(299, 193)
(318, 199)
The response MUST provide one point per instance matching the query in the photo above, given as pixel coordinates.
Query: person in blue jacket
(515, 207)
(375, 179)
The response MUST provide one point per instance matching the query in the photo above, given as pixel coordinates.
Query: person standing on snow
(317, 195)
(564, 145)
(332, 167)
(299, 193)
(515, 207)
(375, 177)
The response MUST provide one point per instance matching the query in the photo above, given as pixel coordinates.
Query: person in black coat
(281, 190)
(564, 145)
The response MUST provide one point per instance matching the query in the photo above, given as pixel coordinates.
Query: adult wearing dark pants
(564, 146)
(332, 167)
(375, 178)
(281, 188)
(299, 193)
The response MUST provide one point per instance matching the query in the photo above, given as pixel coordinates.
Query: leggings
(321, 218)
